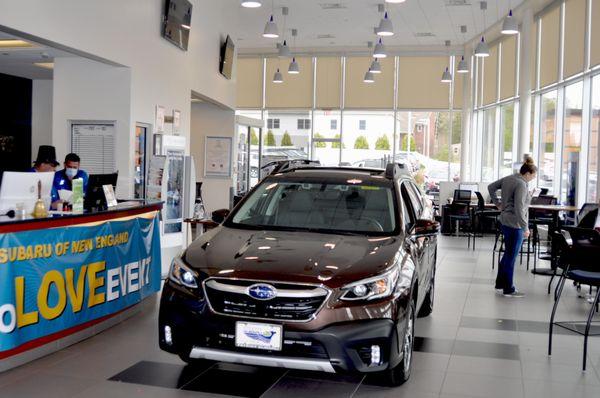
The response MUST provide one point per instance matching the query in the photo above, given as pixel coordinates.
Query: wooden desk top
(556, 208)
(205, 221)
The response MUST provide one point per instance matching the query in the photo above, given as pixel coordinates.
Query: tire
(427, 306)
(401, 373)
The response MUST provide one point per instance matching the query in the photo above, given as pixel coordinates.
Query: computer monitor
(22, 187)
(94, 196)
(462, 196)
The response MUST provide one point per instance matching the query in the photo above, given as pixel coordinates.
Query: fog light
(168, 335)
(375, 355)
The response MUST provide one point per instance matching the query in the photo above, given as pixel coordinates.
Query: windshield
(321, 206)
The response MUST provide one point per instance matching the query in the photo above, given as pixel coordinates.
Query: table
(555, 210)
(204, 223)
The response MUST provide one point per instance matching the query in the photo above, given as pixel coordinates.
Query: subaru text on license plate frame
(261, 336)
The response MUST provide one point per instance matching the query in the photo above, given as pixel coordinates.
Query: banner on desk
(54, 280)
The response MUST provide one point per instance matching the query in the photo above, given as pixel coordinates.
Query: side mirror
(220, 215)
(426, 228)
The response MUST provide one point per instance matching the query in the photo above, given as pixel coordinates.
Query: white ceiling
(20, 61)
(352, 24)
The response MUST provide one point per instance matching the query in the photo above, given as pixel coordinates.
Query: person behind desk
(63, 179)
(46, 160)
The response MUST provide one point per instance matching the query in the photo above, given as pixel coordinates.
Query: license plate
(261, 336)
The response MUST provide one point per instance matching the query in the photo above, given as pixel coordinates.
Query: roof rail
(282, 166)
(395, 170)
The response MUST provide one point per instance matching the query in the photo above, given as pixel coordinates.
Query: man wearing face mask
(63, 178)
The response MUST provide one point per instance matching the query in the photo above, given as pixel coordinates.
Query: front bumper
(342, 347)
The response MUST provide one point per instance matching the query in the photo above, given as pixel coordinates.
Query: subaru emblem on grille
(262, 291)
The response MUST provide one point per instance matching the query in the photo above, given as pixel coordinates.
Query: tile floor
(475, 344)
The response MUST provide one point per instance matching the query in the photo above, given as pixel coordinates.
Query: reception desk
(67, 277)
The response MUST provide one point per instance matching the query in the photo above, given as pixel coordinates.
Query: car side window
(418, 195)
(414, 200)
(407, 208)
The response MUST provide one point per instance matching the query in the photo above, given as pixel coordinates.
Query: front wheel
(401, 373)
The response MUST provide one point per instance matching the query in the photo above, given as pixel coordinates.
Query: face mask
(71, 172)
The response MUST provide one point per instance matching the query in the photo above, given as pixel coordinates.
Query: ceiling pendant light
(251, 4)
(294, 69)
(395, 1)
(482, 49)
(446, 76)
(510, 25)
(385, 26)
(277, 77)
(375, 66)
(379, 51)
(369, 77)
(284, 50)
(271, 30)
(463, 67)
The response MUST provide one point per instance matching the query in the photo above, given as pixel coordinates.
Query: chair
(460, 213)
(462, 196)
(586, 218)
(582, 268)
(481, 214)
(541, 217)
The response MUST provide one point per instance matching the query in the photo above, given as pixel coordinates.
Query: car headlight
(182, 274)
(371, 288)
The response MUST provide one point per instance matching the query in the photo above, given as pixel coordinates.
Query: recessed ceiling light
(395, 1)
(45, 65)
(14, 43)
(251, 4)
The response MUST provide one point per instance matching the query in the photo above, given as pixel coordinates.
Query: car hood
(303, 257)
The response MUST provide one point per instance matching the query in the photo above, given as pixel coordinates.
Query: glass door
(248, 159)
(139, 187)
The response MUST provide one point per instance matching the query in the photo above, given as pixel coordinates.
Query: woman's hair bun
(528, 160)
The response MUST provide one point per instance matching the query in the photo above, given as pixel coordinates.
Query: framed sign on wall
(217, 157)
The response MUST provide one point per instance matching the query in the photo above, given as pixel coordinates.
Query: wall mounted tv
(226, 58)
(177, 22)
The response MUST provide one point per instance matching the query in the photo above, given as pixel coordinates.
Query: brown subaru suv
(316, 268)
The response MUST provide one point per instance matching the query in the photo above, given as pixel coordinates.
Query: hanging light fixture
(294, 69)
(251, 4)
(369, 77)
(463, 67)
(271, 30)
(446, 76)
(395, 1)
(379, 51)
(277, 77)
(284, 50)
(385, 26)
(375, 66)
(510, 25)
(482, 49)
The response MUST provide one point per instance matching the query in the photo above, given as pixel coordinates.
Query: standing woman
(514, 217)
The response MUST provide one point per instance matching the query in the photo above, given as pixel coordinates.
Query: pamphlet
(77, 197)
(109, 194)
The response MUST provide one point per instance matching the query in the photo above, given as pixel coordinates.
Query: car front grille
(295, 303)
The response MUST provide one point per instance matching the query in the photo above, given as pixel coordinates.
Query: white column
(467, 110)
(526, 63)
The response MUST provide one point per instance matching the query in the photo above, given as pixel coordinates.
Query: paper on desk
(65, 195)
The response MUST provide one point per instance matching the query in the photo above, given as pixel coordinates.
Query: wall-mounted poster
(217, 157)
(176, 120)
(160, 119)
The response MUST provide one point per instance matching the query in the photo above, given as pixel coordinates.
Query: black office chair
(460, 214)
(482, 216)
(541, 217)
(580, 266)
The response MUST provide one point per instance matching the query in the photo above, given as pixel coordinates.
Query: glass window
(139, 188)
(507, 115)
(321, 206)
(592, 188)
(326, 143)
(273, 123)
(284, 141)
(547, 140)
(488, 148)
(571, 142)
(303, 124)
(369, 147)
(456, 146)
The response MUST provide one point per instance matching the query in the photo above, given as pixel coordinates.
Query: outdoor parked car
(316, 268)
